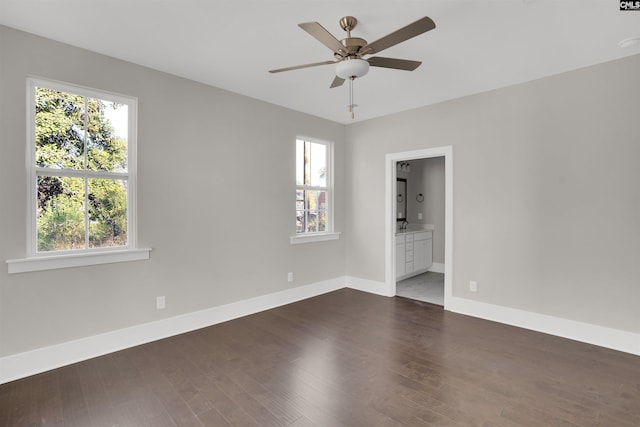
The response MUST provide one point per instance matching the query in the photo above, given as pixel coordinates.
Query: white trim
(32, 206)
(437, 267)
(80, 90)
(616, 339)
(52, 262)
(370, 286)
(43, 359)
(314, 237)
(80, 173)
(390, 214)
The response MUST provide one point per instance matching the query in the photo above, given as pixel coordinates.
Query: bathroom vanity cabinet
(414, 253)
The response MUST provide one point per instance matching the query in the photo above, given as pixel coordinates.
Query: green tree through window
(81, 171)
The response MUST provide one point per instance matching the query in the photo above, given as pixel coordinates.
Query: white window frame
(329, 233)
(35, 260)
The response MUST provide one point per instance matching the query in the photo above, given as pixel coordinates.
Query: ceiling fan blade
(397, 64)
(420, 26)
(323, 36)
(336, 82)
(297, 67)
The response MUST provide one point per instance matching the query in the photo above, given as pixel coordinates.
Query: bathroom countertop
(415, 228)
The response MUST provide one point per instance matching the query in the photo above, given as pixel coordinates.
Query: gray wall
(216, 197)
(546, 201)
(427, 178)
(546, 198)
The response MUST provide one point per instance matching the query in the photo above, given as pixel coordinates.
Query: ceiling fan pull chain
(353, 116)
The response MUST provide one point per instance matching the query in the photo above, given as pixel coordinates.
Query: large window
(314, 200)
(82, 164)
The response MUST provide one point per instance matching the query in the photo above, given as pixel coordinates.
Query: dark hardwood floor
(342, 359)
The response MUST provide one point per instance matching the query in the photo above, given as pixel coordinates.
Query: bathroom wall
(427, 178)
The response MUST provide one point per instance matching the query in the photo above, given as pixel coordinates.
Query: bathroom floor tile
(427, 287)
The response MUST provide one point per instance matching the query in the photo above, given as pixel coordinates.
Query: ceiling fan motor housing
(352, 46)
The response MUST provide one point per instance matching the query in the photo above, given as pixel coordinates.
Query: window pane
(60, 219)
(311, 171)
(107, 213)
(322, 221)
(108, 126)
(299, 199)
(300, 221)
(59, 129)
(311, 201)
(318, 167)
(322, 200)
(312, 221)
(299, 162)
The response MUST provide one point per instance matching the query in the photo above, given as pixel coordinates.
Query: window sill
(315, 237)
(52, 262)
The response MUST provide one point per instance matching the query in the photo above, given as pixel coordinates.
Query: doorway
(391, 215)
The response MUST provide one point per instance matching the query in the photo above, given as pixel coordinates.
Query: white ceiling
(477, 45)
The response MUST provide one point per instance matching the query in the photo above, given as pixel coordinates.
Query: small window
(313, 187)
(82, 164)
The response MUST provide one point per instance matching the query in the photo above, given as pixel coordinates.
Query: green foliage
(107, 213)
(58, 123)
(61, 217)
(67, 125)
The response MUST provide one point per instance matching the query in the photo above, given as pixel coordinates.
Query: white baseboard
(21, 365)
(615, 339)
(32, 362)
(365, 285)
(437, 267)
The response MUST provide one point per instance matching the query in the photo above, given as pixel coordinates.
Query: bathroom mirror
(401, 199)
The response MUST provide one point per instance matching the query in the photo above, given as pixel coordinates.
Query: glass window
(312, 187)
(81, 143)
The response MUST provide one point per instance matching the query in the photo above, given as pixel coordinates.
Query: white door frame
(390, 215)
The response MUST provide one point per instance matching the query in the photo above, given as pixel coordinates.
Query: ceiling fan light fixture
(349, 68)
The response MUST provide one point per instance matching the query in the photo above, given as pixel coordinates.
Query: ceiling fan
(348, 53)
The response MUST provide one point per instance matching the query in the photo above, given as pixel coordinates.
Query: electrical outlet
(290, 277)
(419, 215)
(473, 286)
(160, 303)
